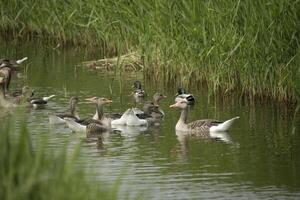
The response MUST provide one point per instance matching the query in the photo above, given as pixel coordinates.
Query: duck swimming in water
(138, 91)
(199, 126)
(37, 102)
(153, 106)
(182, 94)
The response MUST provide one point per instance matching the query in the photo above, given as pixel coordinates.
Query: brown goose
(72, 114)
(101, 124)
(199, 126)
(8, 101)
(5, 77)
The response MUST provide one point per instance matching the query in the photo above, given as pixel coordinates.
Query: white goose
(129, 118)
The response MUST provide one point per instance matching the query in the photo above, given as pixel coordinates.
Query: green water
(258, 159)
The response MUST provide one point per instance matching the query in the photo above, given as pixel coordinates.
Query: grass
(28, 171)
(249, 47)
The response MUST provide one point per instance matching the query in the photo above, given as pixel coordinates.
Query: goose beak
(173, 105)
(91, 100)
(109, 100)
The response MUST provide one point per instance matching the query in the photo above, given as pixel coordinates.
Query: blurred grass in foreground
(32, 173)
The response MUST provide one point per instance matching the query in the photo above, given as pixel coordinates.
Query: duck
(59, 118)
(138, 91)
(100, 123)
(182, 94)
(153, 106)
(129, 118)
(38, 102)
(199, 126)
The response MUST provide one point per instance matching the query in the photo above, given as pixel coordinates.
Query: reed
(28, 171)
(246, 46)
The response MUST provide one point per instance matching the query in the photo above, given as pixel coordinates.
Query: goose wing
(96, 128)
(203, 124)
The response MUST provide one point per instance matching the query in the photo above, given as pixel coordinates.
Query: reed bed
(247, 46)
(28, 171)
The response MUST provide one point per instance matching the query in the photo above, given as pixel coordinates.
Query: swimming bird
(5, 77)
(129, 118)
(39, 101)
(153, 106)
(199, 126)
(182, 94)
(21, 100)
(138, 91)
(72, 114)
(100, 124)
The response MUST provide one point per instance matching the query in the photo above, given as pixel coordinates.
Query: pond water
(257, 159)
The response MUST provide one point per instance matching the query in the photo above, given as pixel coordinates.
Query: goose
(182, 94)
(199, 126)
(101, 124)
(138, 91)
(5, 77)
(129, 118)
(21, 100)
(59, 119)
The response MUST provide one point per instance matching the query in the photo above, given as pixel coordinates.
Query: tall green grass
(246, 46)
(28, 171)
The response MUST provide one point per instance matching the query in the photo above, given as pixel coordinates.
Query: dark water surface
(258, 159)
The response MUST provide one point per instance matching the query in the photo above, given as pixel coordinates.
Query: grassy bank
(247, 46)
(27, 171)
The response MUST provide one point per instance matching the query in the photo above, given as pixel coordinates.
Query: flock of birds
(150, 115)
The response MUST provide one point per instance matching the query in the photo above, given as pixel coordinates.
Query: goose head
(27, 92)
(74, 100)
(182, 104)
(157, 97)
(99, 100)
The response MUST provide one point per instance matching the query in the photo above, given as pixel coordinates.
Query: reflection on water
(257, 159)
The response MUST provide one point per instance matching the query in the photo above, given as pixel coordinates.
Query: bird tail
(223, 127)
(53, 119)
(47, 98)
(74, 126)
(21, 60)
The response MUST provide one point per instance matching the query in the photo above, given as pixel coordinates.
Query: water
(258, 159)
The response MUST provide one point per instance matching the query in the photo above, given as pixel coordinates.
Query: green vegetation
(27, 171)
(246, 46)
